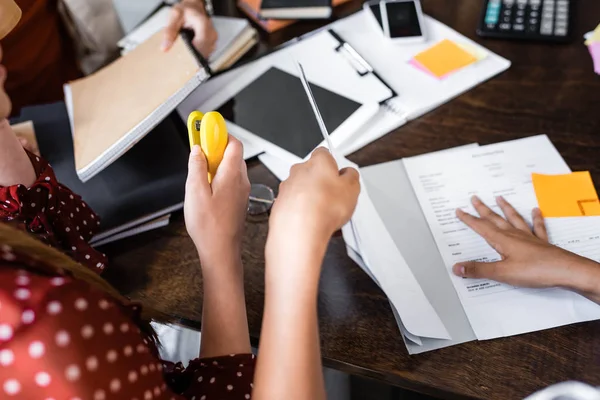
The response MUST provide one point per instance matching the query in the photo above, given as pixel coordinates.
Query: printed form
(446, 181)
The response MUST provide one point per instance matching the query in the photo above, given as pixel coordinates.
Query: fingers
(539, 227)
(352, 179)
(173, 27)
(512, 216)
(486, 213)
(482, 227)
(233, 158)
(323, 158)
(477, 270)
(197, 180)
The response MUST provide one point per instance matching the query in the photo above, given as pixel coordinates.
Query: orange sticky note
(445, 57)
(569, 195)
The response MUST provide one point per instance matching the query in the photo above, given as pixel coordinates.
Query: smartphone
(401, 21)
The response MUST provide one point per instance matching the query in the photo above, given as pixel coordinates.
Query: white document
(395, 278)
(445, 182)
(418, 92)
(145, 227)
(367, 235)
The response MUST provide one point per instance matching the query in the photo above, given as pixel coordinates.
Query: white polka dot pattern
(94, 345)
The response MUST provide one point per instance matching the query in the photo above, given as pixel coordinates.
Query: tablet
(400, 20)
(274, 108)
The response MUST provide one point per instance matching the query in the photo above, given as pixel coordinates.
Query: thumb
(198, 171)
(473, 269)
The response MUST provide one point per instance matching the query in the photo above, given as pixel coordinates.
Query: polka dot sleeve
(54, 214)
(62, 339)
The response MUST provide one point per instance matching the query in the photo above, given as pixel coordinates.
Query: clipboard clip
(361, 65)
(358, 62)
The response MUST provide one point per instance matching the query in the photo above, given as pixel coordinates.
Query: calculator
(546, 20)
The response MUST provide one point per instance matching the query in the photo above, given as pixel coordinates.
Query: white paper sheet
(444, 182)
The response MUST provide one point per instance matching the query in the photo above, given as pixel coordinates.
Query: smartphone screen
(376, 10)
(403, 19)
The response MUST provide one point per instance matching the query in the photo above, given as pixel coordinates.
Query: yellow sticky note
(595, 36)
(569, 195)
(477, 52)
(445, 57)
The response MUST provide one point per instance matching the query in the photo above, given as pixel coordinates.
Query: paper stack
(409, 207)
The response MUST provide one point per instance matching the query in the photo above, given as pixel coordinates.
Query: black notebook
(146, 182)
(295, 9)
(275, 108)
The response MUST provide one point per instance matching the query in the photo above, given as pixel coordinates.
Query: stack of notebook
(295, 9)
(256, 10)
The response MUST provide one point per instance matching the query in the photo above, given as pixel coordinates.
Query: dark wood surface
(550, 89)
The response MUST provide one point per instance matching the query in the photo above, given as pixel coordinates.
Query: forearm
(224, 320)
(289, 361)
(15, 167)
(584, 278)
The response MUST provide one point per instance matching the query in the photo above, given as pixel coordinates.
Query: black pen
(188, 37)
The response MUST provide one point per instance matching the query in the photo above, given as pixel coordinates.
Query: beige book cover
(114, 108)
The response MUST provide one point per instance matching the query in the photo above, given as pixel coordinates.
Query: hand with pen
(191, 14)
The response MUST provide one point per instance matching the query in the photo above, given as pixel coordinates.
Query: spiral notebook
(114, 108)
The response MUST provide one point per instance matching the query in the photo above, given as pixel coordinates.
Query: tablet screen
(276, 108)
(403, 19)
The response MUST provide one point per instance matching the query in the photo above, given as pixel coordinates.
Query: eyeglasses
(261, 199)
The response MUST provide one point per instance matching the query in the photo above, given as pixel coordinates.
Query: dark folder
(148, 179)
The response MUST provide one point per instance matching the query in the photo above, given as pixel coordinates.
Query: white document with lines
(443, 182)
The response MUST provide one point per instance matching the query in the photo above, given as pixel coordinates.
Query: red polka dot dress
(61, 338)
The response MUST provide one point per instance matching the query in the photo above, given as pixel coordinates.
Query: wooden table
(548, 90)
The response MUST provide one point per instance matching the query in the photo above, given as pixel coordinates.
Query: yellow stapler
(210, 132)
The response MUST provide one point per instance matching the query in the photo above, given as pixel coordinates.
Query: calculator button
(519, 27)
(523, 2)
(534, 14)
(535, 3)
(564, 3)
(504, 27)
(560, 31)
(533, 21)
(546, 28)
(519, 20)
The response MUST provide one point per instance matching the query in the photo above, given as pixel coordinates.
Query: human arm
(314, 202)
(215, 216)
(528, 259)
(15, 167)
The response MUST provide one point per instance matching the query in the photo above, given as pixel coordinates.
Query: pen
(188, 36)
(315, 108)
